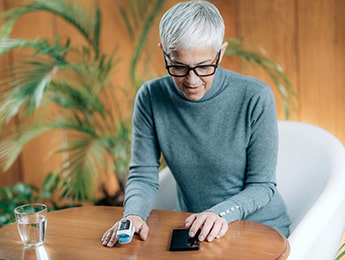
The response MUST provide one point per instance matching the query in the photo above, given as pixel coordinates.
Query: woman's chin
(193, 94)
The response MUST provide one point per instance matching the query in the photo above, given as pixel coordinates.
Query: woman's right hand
(109, 238)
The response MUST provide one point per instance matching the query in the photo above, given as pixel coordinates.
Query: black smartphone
(180, 240)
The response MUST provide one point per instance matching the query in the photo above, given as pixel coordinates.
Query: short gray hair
(191, 24)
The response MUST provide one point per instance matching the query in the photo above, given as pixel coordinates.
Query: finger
(208, 227)
(104, 237)
(189, 221)
(197, 224)
(214, 231)
(223, 229)
(107, 235)
(113, 239)
(143, 231)
(140, 226)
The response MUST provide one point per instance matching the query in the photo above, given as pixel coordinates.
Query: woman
(216, 129)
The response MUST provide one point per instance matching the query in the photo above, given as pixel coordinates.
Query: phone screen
(180, 240)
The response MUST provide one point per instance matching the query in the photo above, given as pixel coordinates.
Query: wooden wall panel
(339, 70)
(270, 25)
(321, 41)
(306, 37)
(229, 10)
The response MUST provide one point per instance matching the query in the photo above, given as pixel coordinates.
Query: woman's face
(193, 86)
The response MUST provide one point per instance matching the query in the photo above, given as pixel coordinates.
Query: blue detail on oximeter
(124, 239)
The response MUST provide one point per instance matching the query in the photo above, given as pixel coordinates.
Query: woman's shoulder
(155, 90)
(246, 84)
(241, 79)
(155, 84)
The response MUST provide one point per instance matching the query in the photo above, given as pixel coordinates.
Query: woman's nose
(192, 77)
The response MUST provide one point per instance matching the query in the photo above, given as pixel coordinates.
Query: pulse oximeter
(125, 231)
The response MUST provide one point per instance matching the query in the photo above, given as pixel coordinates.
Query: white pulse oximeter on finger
(125, 231)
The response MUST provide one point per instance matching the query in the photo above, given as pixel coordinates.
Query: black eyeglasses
(183, 70)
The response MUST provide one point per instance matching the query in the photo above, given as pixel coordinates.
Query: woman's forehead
(193, 56)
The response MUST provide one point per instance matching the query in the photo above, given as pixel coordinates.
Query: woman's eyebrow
(183, 64)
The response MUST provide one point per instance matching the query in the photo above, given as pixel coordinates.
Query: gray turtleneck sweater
(222, 149)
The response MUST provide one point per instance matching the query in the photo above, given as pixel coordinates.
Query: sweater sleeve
(142, 184)
(259, 186)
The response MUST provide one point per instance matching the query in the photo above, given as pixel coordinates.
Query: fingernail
(201, 238)
(210, 238)
(191, 234)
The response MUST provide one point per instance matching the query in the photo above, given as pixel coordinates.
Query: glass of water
(32, 223)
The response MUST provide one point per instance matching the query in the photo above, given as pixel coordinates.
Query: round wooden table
(75, 233)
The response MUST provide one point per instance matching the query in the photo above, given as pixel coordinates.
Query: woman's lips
(192, 89)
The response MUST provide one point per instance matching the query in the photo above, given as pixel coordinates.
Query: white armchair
(311, 179)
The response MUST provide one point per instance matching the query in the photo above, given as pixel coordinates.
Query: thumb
(143, 231)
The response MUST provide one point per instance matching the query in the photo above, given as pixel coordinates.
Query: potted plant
(77, 80)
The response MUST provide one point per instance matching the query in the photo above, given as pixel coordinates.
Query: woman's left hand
(210, 224)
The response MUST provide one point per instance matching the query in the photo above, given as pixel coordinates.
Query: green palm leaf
(29, 90)
(86, 21)
(76, 79)
(140, 19)
(12, 145)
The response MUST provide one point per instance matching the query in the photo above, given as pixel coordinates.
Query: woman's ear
(223, 49)
(160, 46)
